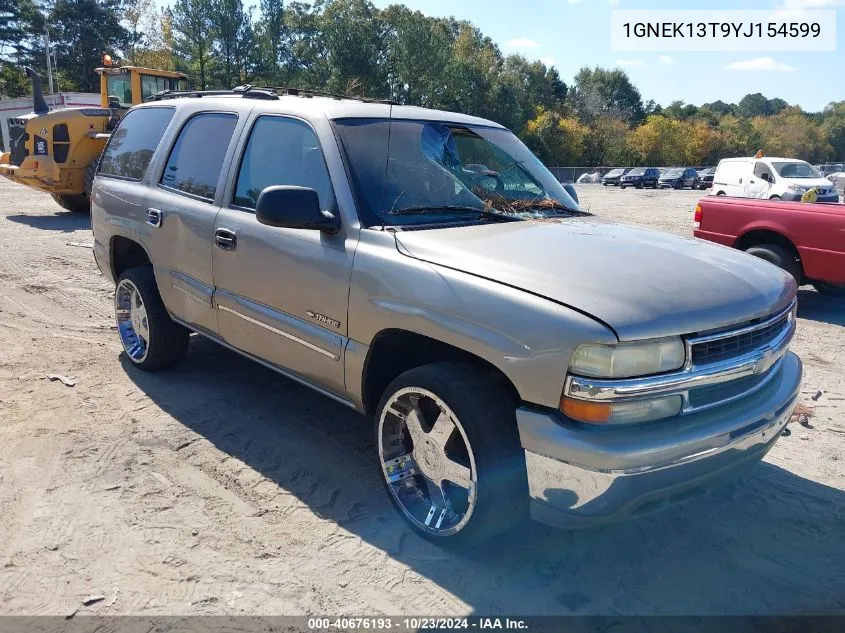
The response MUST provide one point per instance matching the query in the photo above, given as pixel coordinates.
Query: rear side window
(197, 156)
(132, 144)
(282, 151)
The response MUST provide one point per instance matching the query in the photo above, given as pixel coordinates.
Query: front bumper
(581, 476)
(796, 197)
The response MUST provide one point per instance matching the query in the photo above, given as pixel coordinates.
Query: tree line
(352, 47)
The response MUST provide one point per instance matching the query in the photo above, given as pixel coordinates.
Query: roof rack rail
(249, 91)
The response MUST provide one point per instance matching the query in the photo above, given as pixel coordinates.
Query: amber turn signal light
(584, 411)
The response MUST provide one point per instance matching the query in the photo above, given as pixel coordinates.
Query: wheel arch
(394, 351)
(125, 253)
(762, 235)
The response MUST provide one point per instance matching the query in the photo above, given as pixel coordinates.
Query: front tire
(150, 338)
(780, 257)
(449, 454)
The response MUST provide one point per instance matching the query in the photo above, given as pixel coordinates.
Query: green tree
(231, 26)
(557, 141)
(792, 134)
(833, 127)
(272, 40)
(752, 105)
(599, 93)
(193, 38)
(82, 30)
(353, 40)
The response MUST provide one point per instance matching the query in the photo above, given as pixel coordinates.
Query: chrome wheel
(132, 321)
(427, 461)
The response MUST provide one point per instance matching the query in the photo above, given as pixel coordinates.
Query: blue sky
(569, 34)
(574, 33)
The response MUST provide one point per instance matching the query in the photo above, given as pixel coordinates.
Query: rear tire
(74, 204)
(780, 257)
(481, 438)
(775, 198)
(150, 338)
(831, 289)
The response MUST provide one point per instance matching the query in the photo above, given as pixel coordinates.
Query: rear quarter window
(133, 143)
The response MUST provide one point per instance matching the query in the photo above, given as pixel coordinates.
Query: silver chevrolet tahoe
(518, 354)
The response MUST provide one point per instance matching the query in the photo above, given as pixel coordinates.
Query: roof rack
(249, 91)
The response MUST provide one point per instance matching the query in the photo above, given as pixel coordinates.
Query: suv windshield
(796, 170)
(615, 172)
(638, 171)
(406, 171)
(673, 172)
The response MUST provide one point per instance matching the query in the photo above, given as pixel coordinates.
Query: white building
(13, 108)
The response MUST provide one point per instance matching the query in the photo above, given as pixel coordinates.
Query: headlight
(797, 188)
(625, 360)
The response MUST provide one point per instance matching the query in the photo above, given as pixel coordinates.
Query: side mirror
(292, 207)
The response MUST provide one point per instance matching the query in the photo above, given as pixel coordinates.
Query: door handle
(225, 239)
(154, 217)
(751, 181)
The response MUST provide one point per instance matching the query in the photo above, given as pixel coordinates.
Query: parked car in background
(614, 176)
(705, 177)
(772, 178)
(678, 178)
(640, 177)
(430, 297)
(804, 239)
(830, 168)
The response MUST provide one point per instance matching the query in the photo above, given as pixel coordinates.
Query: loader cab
(126, 86)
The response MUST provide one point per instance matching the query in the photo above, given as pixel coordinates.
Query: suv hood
(641, 283)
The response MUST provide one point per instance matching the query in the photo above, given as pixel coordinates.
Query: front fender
(528, 338)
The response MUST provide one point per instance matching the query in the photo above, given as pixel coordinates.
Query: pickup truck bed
(806, 239)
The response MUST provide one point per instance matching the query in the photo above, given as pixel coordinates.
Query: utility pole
(49, 60)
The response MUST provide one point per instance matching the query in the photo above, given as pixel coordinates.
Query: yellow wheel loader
(59, 150)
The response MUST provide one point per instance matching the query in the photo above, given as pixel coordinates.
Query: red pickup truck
(805, 239)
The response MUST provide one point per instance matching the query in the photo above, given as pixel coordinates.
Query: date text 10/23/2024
(385, 623)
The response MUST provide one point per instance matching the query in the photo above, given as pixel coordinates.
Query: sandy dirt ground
(220, 487)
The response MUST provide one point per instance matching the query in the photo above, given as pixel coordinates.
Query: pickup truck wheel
(778, 256)
(449, 454)
(774, 197)
(827, 288)
(150, 338)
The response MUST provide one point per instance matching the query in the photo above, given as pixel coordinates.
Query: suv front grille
(732, 346)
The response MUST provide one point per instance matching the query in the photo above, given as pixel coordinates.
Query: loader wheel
(89, 175)
(74, 204)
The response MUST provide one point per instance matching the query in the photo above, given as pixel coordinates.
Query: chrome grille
(704, 396)
(715, 349)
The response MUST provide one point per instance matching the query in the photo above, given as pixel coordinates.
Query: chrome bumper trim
(579, 475)
(766, 358)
